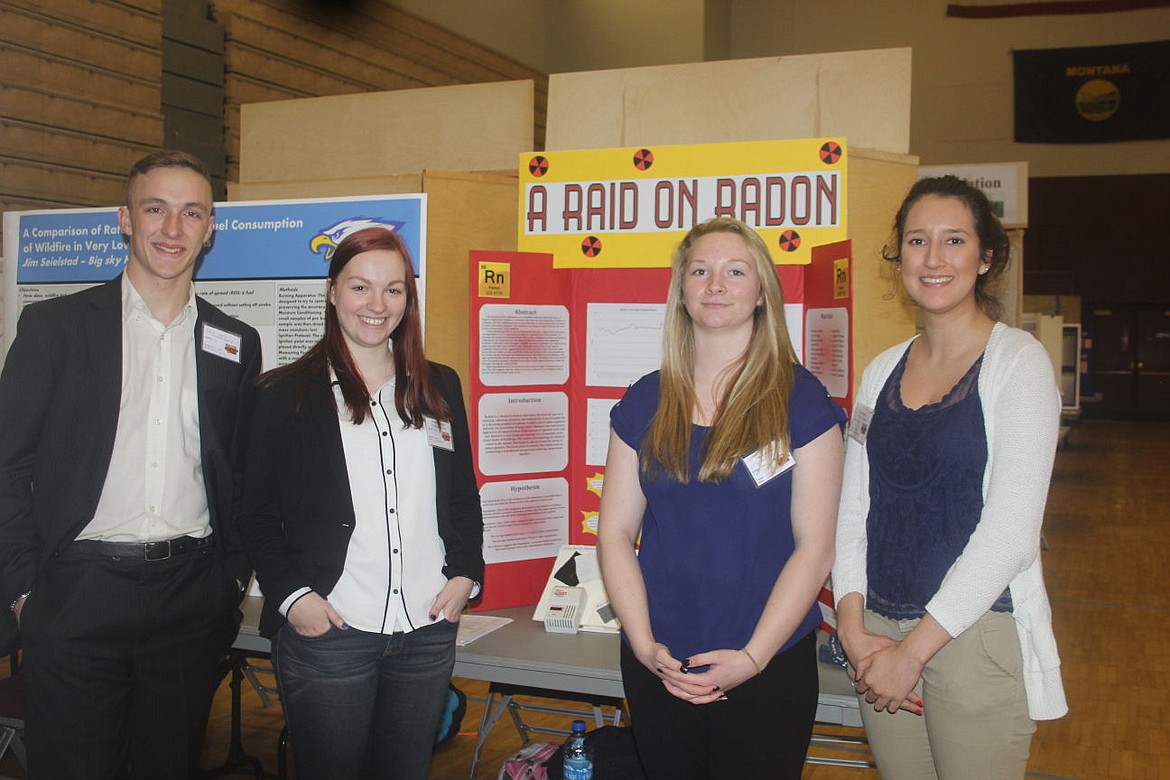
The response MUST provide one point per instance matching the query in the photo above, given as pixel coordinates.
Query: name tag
(859, 423)
(439, 433)
(221, 343)
(764, 469)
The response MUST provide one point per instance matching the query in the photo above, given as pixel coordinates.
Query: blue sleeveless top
(926, 470)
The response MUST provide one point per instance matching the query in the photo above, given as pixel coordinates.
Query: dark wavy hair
(994, 246)
(415, 393)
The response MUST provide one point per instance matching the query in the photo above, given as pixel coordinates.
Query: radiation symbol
(643, 159)
(830, 152)
(591, 246)
(538, 166)
(789, 241)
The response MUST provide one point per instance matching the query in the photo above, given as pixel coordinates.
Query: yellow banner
(629, 208)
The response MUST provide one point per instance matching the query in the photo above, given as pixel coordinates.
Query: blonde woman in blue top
(727, 465)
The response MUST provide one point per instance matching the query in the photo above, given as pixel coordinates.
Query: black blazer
(297, 513)
(59, 397)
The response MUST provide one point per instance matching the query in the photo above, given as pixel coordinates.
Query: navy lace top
(925, 490)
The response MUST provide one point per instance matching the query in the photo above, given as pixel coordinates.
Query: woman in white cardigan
(941, 602)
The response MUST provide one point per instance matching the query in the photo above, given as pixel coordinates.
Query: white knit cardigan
(1021, 410)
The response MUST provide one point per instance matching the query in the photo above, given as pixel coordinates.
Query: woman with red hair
(362, 518)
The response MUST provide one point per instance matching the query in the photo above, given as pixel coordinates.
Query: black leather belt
(142, 551)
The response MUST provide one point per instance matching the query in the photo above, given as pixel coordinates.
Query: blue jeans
(362, 705)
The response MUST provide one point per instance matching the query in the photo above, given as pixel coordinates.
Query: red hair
(415, 395)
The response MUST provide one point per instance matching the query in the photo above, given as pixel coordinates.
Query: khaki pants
(975, 723)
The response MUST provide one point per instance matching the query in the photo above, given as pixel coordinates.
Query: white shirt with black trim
(394, 564)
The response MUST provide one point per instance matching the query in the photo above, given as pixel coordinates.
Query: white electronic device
(565, 607)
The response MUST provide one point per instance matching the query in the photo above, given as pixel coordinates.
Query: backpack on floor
(453, 712)
(614, 755)
(528, 763)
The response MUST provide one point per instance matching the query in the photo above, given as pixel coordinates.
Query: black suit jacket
(59, 399)
(296, 514)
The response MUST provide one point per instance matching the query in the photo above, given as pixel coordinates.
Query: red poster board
(525, 281)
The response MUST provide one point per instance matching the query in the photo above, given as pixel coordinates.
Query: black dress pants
(760, 732)
(121, 660)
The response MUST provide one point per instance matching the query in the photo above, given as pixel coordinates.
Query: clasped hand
(722, 670)
(884, 672)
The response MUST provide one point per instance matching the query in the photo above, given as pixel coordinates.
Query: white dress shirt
(154, 488)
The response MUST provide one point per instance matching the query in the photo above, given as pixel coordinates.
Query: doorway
(1131, 357)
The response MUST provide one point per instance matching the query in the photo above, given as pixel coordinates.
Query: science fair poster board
(552, 350)
(560, 329)
(266, 264)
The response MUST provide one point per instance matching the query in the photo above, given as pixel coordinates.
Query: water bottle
(578, 755)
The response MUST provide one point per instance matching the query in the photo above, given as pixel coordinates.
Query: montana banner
(1093, 94)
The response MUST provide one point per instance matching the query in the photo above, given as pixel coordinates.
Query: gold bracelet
(744, 650)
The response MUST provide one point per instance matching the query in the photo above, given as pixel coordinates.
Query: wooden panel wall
(192, 87)
(82, 82)
(79, 98)
(277, 50)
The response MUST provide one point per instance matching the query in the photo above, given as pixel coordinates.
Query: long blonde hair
(752, 415)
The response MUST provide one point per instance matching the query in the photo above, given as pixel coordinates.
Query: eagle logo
(327, 240)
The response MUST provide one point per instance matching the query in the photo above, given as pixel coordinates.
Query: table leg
(487, 722)
(237, 758)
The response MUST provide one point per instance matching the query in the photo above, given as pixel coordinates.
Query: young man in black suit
(122, 409)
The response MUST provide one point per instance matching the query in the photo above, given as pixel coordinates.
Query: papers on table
(473, 626)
